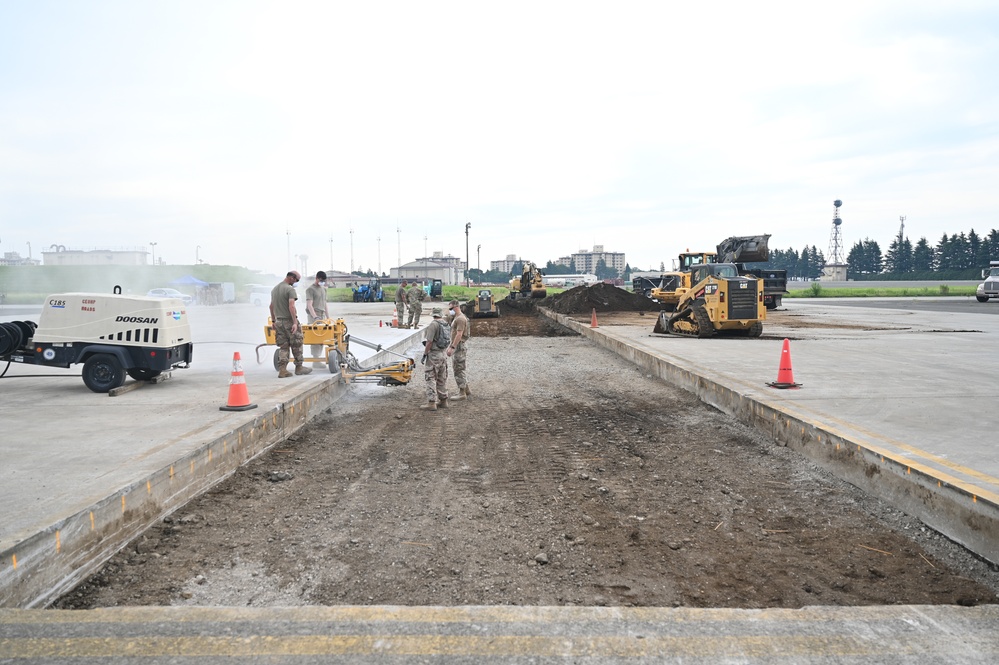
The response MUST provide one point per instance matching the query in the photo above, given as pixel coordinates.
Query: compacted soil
(570, 478)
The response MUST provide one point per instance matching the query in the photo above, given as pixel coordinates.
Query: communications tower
(835, 267)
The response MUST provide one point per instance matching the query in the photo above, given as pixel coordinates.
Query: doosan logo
(136, 319)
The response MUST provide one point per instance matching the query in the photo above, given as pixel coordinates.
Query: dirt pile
(601, 297)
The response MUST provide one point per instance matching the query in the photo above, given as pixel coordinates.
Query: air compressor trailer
(111, 335)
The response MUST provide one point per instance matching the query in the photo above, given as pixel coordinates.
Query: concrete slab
(82, 471)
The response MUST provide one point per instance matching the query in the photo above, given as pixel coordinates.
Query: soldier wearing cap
(435, 364)
(287, 330)
(416, 296)
(400, 303)
(315, 309)
(461, 331)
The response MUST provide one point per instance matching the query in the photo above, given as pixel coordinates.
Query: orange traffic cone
(395, 317)
(593, 319)
(239, 396)
(785, 376)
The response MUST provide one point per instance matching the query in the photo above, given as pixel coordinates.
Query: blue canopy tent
(189, 280)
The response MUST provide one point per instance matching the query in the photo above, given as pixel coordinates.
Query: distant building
(15, 259)
(425, 268)
(60, 256)
(569, 281)
(587, 261)
(507, 264)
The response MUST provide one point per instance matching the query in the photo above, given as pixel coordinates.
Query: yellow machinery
(530, 284)
(676, 284)
(721, 301)
(485, 305)
(333, 336)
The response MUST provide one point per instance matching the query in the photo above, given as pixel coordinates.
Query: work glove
(423, 360)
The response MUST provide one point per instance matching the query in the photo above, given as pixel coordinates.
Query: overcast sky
(260, 130)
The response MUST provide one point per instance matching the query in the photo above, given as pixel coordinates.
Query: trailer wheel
(143, 373)
(333, 360)
(102, 372)
(277, 360)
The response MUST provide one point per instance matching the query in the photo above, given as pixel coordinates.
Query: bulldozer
(721, 301)
(485, 305)
(529, 285)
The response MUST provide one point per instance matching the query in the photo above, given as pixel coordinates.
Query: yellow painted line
(92, 525)
(58, 544)
(592, 646)
(122, 503)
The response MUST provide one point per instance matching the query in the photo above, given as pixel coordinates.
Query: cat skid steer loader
(720, 301)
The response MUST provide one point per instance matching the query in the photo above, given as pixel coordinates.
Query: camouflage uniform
(400, 303)
(416, 296)
(435, 372)
(286, 340)
(460, 353)
(316, 296)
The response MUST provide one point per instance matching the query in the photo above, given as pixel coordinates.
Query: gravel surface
(570, 479)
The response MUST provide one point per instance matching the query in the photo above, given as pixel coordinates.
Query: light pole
(468, 281)
(197, 255)
(152, 244)
(398, 233)
(478, 260)
(304, 258)
(426, 267)
(351, 251)
(331, 251)
(379, 255)
(29, 251)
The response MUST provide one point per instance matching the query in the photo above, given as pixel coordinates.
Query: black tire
(277, 360)
(333, 360)
(102, 372)
(143, 373)
(982, 298)
(704, 327)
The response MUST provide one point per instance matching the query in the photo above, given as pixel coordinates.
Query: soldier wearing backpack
(436, 340)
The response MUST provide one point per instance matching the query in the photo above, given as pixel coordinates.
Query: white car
(170, 293)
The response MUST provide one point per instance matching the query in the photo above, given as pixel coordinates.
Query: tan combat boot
(429, 406)
(444, 403)
(302, 370)
(283, 373)
(467, 391)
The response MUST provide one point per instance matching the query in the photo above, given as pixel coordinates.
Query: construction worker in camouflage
(435, 363)
(461, 331)
(315, 309)
(400, 303)
(416, 297)
(287, 330)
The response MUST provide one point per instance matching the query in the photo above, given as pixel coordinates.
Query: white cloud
(647, 127)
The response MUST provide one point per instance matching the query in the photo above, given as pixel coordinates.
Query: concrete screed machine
(335, 340)
(706, 298)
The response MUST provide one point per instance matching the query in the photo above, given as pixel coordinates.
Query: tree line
(959, 256)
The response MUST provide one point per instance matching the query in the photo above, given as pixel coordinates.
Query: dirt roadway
(571, 479)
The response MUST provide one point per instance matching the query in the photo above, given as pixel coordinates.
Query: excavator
(529, 285)
(708, 297)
